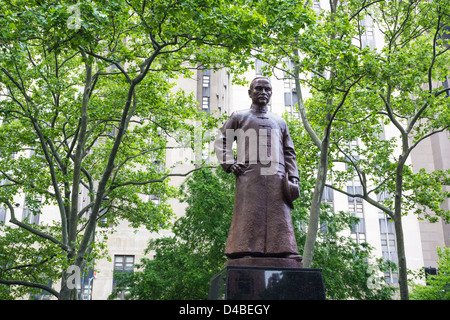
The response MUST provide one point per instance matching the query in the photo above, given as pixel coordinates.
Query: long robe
(261, 223)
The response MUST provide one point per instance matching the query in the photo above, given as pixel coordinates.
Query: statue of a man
(261, 224)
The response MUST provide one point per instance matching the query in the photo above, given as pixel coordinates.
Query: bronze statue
(266, 179)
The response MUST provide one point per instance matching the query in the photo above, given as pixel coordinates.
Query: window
(382, 196)
(354, 190)
(123, 264)
(356, 208)
(352, 154)
(290, 99)
(2, 214)
(159, 166)
(290, 93)
(327, 194)
(111, 131)
(316, 6)
(2, 208)
(259, 66)
(28, 215)
(154, 199)
(206, 80)
(368, 38)
(205, 104)
(388, 245)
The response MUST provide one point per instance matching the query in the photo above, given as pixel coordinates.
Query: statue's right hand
(236, 169)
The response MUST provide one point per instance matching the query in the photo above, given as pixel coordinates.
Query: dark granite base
(265, 262)
(267, 283)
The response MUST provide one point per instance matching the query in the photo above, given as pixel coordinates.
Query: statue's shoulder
(239, 114)
(276, 117)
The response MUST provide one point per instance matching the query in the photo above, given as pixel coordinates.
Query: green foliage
(347, 265)
(438, 286)
(94, 107)
(26, 256)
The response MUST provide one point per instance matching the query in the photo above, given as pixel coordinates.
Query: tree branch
(30, 284)
(425, 137)
(140, 183)
(341, 104)
(23, 266)
(301, 106)
(366, 198)
(30, 228)
(390, 112)
(26, 183)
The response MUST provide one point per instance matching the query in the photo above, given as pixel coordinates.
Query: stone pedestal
(266, 283)
(265, 262)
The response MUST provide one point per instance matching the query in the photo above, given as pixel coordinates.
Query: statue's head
(260, 91)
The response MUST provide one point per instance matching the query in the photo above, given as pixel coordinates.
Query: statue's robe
(261, 223)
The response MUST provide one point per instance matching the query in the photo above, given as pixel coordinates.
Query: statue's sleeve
(290, 158)
(223, 144)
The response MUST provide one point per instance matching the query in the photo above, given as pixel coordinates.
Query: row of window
(206, 90)
(358, 230)
(27, 214)
(122, 264)
(387, 235)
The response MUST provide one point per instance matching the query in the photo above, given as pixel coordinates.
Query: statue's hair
(252, 84)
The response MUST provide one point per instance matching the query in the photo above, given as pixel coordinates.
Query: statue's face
(261, 92)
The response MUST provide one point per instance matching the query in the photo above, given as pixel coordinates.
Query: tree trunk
(313, 226)
(402, 272)
(65, 293)
(314, 212)
(68, 289)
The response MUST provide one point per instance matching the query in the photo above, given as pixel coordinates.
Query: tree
(326, 59)
(402, 94)
(336, 64)
(355, 89)
(185, 262)
(85, 90)
(347, 266)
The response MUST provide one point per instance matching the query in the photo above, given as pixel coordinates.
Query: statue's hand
(293, 180)
(236, 169)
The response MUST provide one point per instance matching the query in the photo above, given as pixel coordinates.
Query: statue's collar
(258, 109)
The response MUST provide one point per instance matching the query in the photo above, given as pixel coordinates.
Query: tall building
(433, 154)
